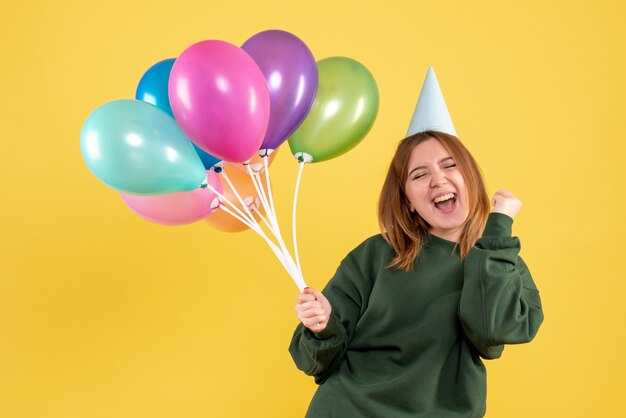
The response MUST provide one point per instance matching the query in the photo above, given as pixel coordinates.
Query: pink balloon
(220, 99)
(177, 208)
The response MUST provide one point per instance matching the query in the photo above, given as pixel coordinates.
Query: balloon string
(273, 223)
(261, 192)
(243, 205)
(251, 222)
(282, 254)
(289, 265)
(254, 227)
(242, 216)
(293, 217)
(277, 233)
(268, 184)
(258, 229)
(269, 242)
(234, 215)
(274, 226)
(279, 254)
(260, 215)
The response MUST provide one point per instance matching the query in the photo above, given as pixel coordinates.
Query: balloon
(207, 159)
(291, 75)
(220, 100)
(343, 112)
(152, 87)
(221, 219)
(177, 208)
(136, 148)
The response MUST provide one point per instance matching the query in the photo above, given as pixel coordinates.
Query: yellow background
(103, 314)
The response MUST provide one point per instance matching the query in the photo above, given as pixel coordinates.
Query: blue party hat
(431, 112)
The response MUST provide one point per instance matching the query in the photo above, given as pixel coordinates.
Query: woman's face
(436, 190)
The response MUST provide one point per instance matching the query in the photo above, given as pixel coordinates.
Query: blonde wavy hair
(404, 230)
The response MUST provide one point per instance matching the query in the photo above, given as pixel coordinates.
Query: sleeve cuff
(332, 328)
(498, 225)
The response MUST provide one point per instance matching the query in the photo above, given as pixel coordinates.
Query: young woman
(400, 329)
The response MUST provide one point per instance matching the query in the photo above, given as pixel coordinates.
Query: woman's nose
(437, 178)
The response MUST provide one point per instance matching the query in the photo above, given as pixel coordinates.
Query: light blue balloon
(136, 148)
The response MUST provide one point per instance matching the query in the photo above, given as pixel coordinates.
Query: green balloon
(342, 114)
(136, 148)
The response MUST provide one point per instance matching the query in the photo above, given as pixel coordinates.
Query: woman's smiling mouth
(446, 202)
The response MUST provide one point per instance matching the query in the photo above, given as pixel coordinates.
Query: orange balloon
(224, 221)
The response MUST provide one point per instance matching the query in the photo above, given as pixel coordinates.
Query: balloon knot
(301, 159)
(217, 169)
(203, 186)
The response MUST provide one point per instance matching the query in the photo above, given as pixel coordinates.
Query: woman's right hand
(313, 309)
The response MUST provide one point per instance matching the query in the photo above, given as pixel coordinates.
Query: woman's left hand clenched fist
(505, 202)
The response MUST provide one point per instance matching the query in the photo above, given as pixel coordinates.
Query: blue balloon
(137, 148)
(153, 89)
(207, 159)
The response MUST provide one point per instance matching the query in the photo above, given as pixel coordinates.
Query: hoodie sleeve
(500, 303)
(319, 354)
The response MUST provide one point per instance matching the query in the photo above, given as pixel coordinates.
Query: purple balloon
(291, 75)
